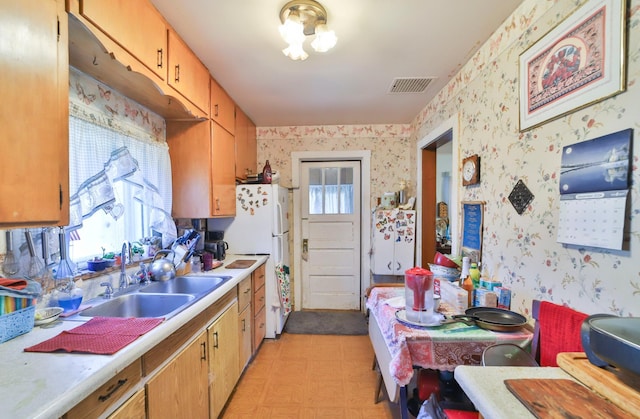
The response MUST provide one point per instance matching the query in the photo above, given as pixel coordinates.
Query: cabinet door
(134, 408)
(246, 336)
(135, 25)
(251, 156)
(34, 116)
(223, 172)
(246, 146)
(187, 74)
(223, 110)
(260, 328)
(223, 359)
(180, 388)
(404, 248)
(191, 153)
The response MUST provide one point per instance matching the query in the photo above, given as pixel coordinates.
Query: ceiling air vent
(410, 84)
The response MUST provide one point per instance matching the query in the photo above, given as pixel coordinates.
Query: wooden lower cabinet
(224, 368)
(246, 337)
(134, 408)
(180, 388)
(258, 303)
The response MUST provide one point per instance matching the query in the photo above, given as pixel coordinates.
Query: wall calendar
(594, 189)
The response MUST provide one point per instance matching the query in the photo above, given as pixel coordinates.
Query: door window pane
(330, 190)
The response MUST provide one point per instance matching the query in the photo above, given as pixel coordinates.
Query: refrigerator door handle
(279, 220)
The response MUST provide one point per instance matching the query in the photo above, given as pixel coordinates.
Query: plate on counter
(437, 320)
(47, 315)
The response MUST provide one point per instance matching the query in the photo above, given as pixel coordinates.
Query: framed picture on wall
(578, 63)
(472, 224)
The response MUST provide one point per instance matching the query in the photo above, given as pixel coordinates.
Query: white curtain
(100, 158)
(338, 199)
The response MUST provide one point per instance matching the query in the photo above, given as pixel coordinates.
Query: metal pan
(495, 319)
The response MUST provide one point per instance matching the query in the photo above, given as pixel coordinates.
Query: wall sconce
(302, 18)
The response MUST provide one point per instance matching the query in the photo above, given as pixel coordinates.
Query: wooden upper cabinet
(223, 172)
(135, 25)
(202, 169)
(34, 114)
(187, 74)
(223, 109)
(246, 146)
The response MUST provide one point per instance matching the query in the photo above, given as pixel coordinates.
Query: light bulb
(325, 38)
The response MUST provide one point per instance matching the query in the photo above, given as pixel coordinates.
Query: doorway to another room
(437, 192)
(331, 200)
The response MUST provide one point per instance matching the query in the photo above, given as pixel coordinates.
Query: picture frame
(472, 226)
(579, 62)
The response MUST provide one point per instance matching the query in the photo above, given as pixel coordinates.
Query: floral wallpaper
(519, 250)
(389, 146)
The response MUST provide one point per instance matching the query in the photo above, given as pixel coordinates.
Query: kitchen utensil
(162, 269)
(616, 340)
(585, 335)
(10, 266)
(562, 398)
(221, 249)
(495, 319)
(418, 288)
(241, 264)
(35, 265)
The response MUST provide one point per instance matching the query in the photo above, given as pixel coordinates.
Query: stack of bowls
(444, 267)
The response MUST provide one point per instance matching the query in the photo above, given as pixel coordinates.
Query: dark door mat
(327, 323)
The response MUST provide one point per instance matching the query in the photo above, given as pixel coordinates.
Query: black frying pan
(496, 319)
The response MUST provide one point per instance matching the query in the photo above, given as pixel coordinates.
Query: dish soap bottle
(266, 173)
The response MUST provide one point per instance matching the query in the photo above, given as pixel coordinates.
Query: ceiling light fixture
(302, 18)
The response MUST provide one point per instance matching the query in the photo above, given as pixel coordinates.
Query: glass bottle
(266, 173)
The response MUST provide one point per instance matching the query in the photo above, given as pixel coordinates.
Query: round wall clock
(471, 170)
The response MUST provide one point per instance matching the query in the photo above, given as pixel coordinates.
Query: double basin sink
(158, 299)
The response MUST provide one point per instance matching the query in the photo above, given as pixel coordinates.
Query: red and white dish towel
(100, 335)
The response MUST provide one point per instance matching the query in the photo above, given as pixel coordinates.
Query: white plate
(396, 302)
(47, 315)
(437, 319)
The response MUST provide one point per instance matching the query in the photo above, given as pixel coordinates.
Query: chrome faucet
(108, 292)
(125, 281)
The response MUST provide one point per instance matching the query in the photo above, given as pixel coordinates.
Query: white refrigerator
(261, 227)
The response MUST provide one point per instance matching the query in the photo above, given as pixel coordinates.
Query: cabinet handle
(389, 266)
(159, 59)
(248, 290)
(398, 265)
(217, 204)
(204, 351)
(261, 299)
(216, 110)
(244, 325)
(215, 339)
(177, 73)
(113, 389)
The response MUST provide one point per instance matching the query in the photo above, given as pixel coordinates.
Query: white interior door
(330, 193)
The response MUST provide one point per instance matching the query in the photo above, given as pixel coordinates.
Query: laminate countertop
(47, 385)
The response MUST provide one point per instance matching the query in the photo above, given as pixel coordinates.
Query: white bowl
(439, 271)
(47, 315)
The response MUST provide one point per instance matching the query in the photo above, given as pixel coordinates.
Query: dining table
(403, 346)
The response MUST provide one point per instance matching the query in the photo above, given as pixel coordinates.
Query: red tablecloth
(442, 347)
